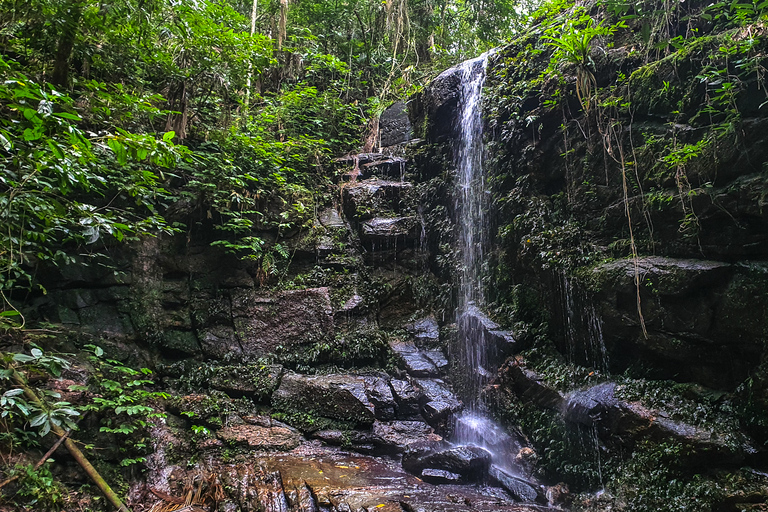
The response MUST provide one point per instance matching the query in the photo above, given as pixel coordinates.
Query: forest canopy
(134, 117)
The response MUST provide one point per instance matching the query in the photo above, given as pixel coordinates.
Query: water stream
(471, 205)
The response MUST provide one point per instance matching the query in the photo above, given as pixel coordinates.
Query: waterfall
(471, 204)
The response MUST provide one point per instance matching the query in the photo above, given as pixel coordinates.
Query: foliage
(37, 488)
(62, 184)
(123, 403)
(19, 409)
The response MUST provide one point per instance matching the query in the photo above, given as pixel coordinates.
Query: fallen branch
(74, 450)
(41, 461)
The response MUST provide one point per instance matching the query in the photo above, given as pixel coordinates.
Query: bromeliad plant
(572, 44)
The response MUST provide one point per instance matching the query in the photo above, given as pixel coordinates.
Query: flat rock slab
(390, 229)
(407, 398)
(425, 330)
(257, 381)
(413, 360)
(260, 438)
(364, 199)
(438, 401)
(400, 434)
(517, 487)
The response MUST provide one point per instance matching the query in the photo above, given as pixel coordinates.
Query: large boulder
(368, 198)
(413, 360)
(470, 462)
(623, 423)
(436, 107)
(385, 232)
(264, 323)
(438, 403)
(359, 399)
(394, 125)
(703, 319)
(257, 437)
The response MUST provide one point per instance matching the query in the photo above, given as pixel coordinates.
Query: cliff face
(630, 243)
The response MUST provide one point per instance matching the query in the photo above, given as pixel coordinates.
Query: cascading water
(471, 203)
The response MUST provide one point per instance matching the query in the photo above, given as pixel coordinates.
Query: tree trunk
(67, 34)
(250, 63)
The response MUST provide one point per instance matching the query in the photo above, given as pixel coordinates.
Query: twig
(41, 461)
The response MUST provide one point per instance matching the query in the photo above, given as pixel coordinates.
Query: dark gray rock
(471, 462)
(438, 402)
(220, 342)
(390, 229)
(438, 359)
(379, 392)
(440, 476)
(368, 198)
(413, 360)
(394, 125)
(498, 343)
(398, 435)
(254, 380)
(519, 489)
(284, 319)
(694, 312)
(356, 398)
(621, 423)
(407, 398)
(425, 331)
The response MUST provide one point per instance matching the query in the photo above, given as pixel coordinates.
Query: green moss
(357, 348)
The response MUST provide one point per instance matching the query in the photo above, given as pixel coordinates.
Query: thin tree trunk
(282, 24)
(67, 37)
(250, 62)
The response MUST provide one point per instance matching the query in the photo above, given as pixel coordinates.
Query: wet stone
(438, 359)
(470, 462)
(416, 362)
(438, 402)
(517, 487)
(398, 435)
(440, 476)
(425, 330)
(262, 438)
(407, 398)
(390, 228)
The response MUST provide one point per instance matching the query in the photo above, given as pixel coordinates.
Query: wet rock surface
(313, 477)
(470, 462)
(689, 312)
(278, 438)
(357, 398)
(625, 423)
(438, 403)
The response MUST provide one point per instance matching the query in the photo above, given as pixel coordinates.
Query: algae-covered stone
(254, 380)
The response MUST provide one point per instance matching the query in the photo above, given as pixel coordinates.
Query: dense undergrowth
(138, 119)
